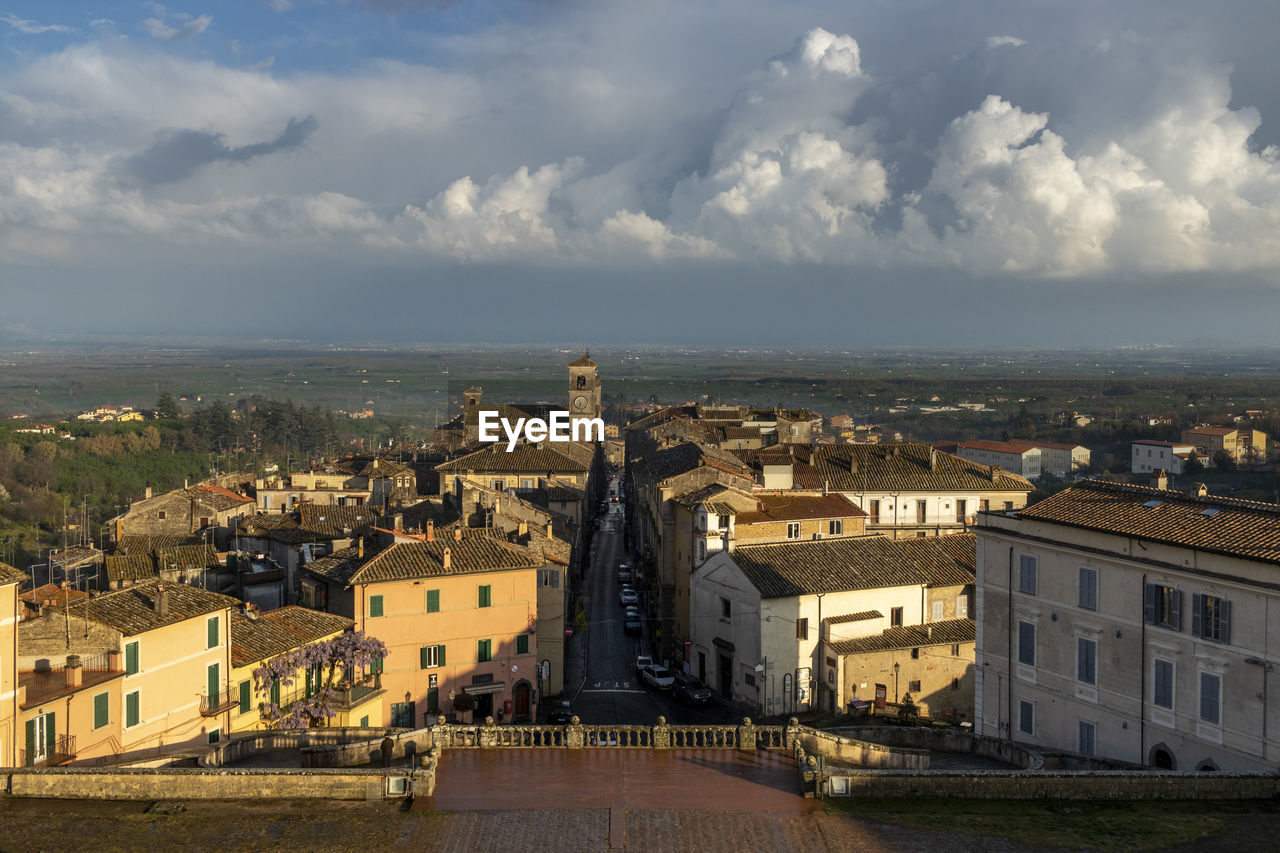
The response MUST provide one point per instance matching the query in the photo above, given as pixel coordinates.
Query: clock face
(580, 403)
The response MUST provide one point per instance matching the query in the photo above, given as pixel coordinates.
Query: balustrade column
(747, 735)
(662, 734)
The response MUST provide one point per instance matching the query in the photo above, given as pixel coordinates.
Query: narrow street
(612, 691)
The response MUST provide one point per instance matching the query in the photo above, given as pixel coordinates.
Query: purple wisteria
(329, 667)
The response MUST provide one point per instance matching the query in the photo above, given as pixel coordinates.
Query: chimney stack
(360, 548)
(995, 472)
(161, 602)
(933, 459)
(1160, 480)
(73, 671)
(398, 522)
(853, 461)
(431, 530)
(448, 558)
(523, 529)
(1199, 490)
(549, 536)
(457, 534)
(147, 494)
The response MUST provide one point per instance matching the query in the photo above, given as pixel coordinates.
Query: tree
(1194, 465)
(331, 663)
(166, 407)
(1223, 461)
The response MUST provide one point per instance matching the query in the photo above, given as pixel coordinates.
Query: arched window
(786, 691)
(1162, 758)
(582, 381)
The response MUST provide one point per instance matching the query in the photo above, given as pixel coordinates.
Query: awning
(724, 644)
(483, 689)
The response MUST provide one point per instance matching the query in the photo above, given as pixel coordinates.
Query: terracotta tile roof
(906, 467)
(1052, 445)
(74, 556)
(944, 633)
(583, 361)
(714, 492)
(787, 569)
(51, 593)
(663, 415)
(311, 523)
(132, 611)
(998, 447)
(187, 557)
(1155, 443)
(383, 468)
(276, 632)
(556, 458)
(860, 616)
(130, 567)
(8, 574)
(216, 497)
(785, 507)
(139, 543)
(1211, 430)
(673, 461)
(1238, 528)
(405, 560)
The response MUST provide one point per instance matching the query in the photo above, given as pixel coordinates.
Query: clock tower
(584, 388)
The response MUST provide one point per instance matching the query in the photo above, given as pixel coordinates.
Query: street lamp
(896, 666)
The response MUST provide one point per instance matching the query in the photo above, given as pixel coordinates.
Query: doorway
(725, 671)
(484, 707)
(520, 702)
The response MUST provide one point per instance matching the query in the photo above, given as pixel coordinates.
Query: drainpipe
(1142, 669)
(1012, 634)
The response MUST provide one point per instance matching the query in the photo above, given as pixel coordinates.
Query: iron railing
(63, 751)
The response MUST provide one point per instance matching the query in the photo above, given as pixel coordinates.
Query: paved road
(612, 691)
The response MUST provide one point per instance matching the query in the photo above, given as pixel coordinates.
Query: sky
(914, 172)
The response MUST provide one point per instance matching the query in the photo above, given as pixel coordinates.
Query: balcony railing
(349, 697)
(64, 750)
(215, 703)
(49, 679)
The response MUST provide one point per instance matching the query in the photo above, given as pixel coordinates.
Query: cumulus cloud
(187, 26)
(280, 5)
(30, 28)
(819, 157)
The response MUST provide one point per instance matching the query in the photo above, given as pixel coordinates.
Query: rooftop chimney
(995, 472)
(448, 558)
(928, 632)
(147, 494)
(360, 548)
(161, 601)
(431, 530)
(1160, 480)
(398, 521)
(457, 534)
(853, 461)
(523, 529)
(184, 482)
(933, 459)
(73, 671)
(1199, 490)
(549, 536)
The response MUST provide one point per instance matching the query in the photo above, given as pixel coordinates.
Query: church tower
(584, 388)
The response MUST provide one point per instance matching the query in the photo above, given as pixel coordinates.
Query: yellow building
(257, 637)
(10, 579)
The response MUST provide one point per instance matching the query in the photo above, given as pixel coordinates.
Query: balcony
(213, 704)
(63, 751)
(349, 697)
(48, 680)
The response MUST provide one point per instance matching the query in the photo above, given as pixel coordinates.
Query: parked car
(641, 662)
(631, 621)
(656, 675)
(689, 688)
(562, 714)
(628, 596)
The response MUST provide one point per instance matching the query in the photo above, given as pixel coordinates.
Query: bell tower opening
(584, 388)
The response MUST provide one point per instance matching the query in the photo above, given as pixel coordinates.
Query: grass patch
(1071, 824)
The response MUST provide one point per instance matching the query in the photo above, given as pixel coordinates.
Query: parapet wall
(947, 740)
(1023, 785)
(196, 783)
(841, 748)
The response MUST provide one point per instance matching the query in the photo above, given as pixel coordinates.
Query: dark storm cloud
(179, 154)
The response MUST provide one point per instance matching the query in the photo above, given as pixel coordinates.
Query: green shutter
(51, 733)
(522, 644)
(424, 657)
(213, 684)
(364, 721)
(440, 653)
(131, 658)
(433, 601)
(311, 684)
(375, 665)
(275, 693)
(215, 636)
(485, 595)
(101, 710)
(245, 697)
(375, 605)
(31, 742)
(131, 711)
(482, 651)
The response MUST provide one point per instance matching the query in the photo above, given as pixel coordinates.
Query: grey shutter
(1197, 615)
(1177, 610)
(1225, 621)
(1149, 609)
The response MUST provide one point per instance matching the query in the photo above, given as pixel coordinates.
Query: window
(1210, 697)
(913, 686)
(937, 614)
(873, 512)
(984, 505)
(793, 530)
(215, 636)
(1086, 661)
(131, 658)
(1027, 643)
(955, 684)
(725, 609)
(835, 527)
(1008, 505)
(961, 508)
(1211, 618)
(895, 617)
(1027, 574)
(430, 657)
(433, 601)
(522, 644)
(549, 577)
(802, 629)
(215, 735)
(1162, 694)
(920, 511)
(915, 654)
(955, 650)
(246, 697)
(499, 485)
(132, 710)
(1026, 717)
(160, 515)
(486, 595)
(526, 483)
(375, 665)
(204, 522)
(375, 605)
(702, 550)
(484, 651)
(962, 606)
(723, 522)
(1086, 738)
(1089, 589)
(1163, 606)
(101, 710)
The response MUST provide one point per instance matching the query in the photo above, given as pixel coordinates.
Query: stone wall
(1096, 785)
(196, 783)
(947, 740)
(843, 749)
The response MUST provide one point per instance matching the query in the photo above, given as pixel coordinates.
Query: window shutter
(441, 654)
(522, 644)
(101, 710)
(213, 633)
(1225, 621)
(310, 684)
(31, 741)
(131, 658)
(1149, 609)
(375, 605)
(1177, 610)
(433, 600)
(132, 712)
(245, 697)
(1197, 615)
(423, 657)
